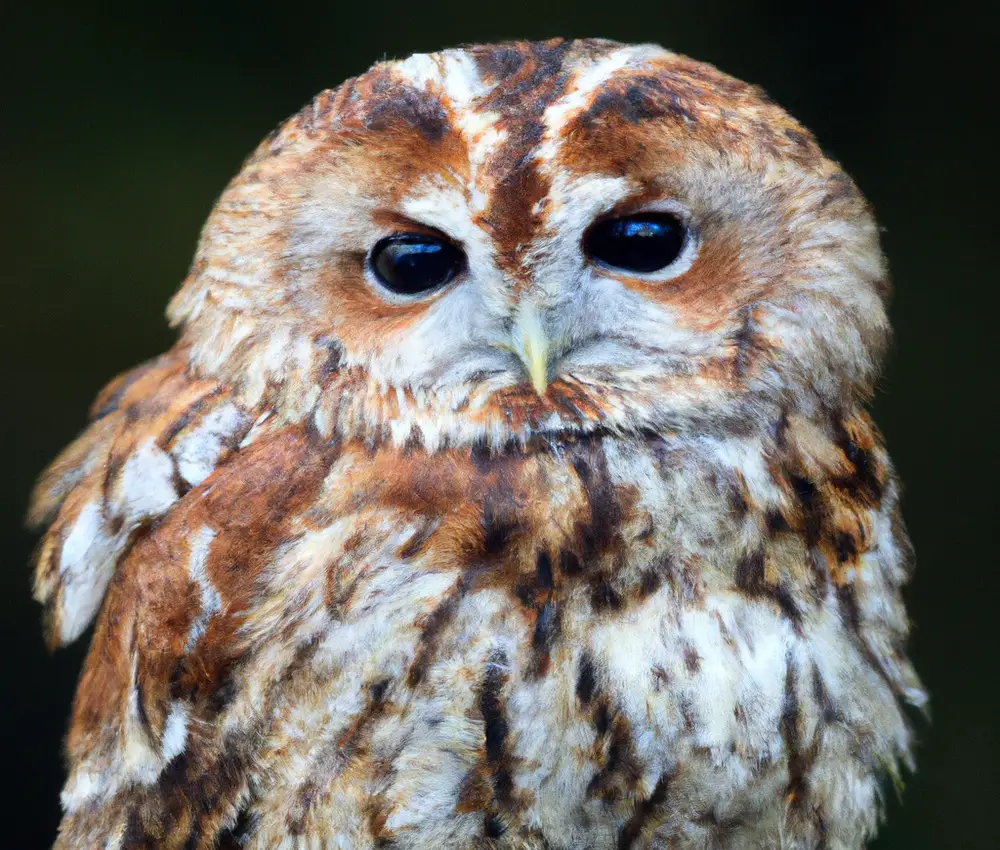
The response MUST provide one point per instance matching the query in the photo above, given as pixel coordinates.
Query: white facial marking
(442, 205)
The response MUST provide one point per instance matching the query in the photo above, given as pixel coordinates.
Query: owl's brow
(505, 89)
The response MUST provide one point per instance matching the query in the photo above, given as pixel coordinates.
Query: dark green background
(120, 127)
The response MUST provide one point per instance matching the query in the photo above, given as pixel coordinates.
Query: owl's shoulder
(155, 433)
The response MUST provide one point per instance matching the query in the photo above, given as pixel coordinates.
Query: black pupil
(646, 242)
(411, 263)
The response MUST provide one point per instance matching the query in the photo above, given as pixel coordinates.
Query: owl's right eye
(414, 263)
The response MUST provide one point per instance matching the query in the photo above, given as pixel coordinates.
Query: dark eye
(646, 242)
(411, 263)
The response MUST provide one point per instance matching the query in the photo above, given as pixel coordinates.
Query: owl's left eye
(644, 243)
(414, 263)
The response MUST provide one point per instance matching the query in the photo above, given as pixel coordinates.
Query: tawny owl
(509, 484)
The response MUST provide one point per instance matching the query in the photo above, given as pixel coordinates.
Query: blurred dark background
(120, 127)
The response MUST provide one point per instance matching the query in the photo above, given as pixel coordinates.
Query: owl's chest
(533, 657)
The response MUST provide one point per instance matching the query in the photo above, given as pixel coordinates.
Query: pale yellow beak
(531, 345)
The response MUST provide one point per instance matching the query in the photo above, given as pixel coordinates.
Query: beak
(532, 347)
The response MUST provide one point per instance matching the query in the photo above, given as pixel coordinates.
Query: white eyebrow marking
(456, 76)
(460, 78)
(419, 69)
(584, 83)
(463, 85)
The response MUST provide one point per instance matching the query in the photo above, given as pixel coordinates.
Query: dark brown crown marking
(639, 97)
(380, 102)
(498, 62)
(532, 79)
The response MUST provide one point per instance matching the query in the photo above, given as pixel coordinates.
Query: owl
(509, 485)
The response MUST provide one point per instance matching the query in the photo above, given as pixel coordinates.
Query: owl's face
(490, 244)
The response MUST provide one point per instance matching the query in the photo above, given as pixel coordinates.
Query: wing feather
(156, 431)
(149, 759)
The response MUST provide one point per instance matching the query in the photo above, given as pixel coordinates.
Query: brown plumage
(558, 553)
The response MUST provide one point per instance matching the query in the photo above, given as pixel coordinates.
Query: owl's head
(528, 240)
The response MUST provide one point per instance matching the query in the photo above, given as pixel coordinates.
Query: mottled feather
(359, 583)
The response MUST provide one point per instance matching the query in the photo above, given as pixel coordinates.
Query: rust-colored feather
(555, 554)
